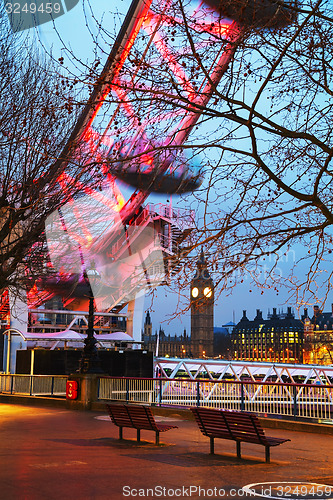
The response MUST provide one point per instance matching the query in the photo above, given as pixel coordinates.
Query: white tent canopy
(65, 336)
(72, 336)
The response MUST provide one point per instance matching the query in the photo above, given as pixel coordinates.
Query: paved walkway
(58, 454)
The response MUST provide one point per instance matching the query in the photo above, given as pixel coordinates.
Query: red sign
(71, 389)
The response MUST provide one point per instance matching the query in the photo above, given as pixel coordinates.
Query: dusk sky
(73, 32)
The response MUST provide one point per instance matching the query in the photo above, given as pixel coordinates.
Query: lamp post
(89, 362)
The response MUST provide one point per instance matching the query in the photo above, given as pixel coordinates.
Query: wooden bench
(235, 425)
(138, 417)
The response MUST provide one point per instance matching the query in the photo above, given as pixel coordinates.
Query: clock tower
(202, 311)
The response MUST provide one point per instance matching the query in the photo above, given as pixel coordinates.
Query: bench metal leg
(120, 433)
(238, 449)
(212, 446)
(138, 435)
(157, 438)
(267, 454)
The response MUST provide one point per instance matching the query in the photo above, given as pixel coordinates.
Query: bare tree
(261, 130)
(36, 119)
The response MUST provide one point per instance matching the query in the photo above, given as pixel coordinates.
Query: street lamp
(89, 362)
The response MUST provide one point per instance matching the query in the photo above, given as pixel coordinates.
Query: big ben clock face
(207, 292)
(195, 292)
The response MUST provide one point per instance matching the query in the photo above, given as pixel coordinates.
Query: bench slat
(234, 425)
(119, 415)
(138, 417)
(210, 423)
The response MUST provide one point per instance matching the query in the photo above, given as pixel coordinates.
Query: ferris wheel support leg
(135, 316)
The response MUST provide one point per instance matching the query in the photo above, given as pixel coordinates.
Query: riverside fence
(290, 400)
(306, 401)
(33, 385)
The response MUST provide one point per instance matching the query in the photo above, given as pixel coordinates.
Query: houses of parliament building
(280, 338)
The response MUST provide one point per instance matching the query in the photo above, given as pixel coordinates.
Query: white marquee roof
(72, 336)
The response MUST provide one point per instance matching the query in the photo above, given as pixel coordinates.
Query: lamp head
(93, 276)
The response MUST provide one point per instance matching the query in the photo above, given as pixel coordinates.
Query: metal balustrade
(33, 385)
(222, 369)
(125, 389)
(289, 400)
(306, 401)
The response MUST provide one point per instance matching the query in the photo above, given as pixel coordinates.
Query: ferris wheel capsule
(256, 13)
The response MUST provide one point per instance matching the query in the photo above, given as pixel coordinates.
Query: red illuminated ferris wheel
(121, 119)
(144, 106)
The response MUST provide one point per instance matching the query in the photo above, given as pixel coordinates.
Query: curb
(266, 422)
(33, 401)
(181, 413)
(315, 428)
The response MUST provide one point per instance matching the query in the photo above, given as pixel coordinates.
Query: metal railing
(223, 369)
(182, 217)
(306, 401)
(127, 389)
(33, 385)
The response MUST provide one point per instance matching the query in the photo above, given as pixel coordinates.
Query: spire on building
(202, 257)
(202, 270)
(148, 327)
(148, 318)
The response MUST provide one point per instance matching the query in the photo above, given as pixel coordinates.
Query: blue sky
(74, 31)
